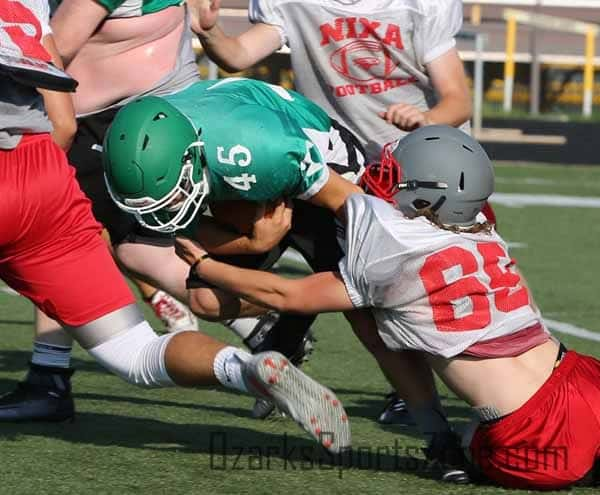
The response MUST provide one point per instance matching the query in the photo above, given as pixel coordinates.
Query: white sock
(56, 356)
(228, 367)
(243, 327)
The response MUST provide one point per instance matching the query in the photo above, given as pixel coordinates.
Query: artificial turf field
(128, 440)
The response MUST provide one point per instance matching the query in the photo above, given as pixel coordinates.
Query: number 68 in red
(502, 285)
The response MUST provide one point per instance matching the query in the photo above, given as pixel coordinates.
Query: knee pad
(137, 355)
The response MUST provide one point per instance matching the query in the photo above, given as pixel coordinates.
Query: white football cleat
(175, 315)
(315, 408)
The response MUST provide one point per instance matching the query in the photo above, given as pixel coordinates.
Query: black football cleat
(447, 459)
(44, 395)
(394, 411)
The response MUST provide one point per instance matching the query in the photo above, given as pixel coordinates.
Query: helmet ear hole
(145, 143)
(461, 182)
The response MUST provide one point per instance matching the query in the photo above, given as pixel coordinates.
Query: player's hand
(204, 15)
(188, 250)
(271, 224)
(405, 117)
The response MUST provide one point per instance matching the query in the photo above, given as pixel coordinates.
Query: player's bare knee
(204, 304)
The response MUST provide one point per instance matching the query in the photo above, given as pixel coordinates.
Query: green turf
(127, 440)
(571, 180)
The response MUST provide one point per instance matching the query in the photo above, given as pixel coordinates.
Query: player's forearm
(226, 51)
(450, 83)
(261, 288)
(64, 128)
(235, 53)
(453, 109)
(317, 293)
(59, 105)
(221, 241)
(73, 23)
(334, 194)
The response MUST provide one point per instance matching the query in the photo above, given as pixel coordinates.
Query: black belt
(562, 350)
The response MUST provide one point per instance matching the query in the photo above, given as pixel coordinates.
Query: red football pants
(50, 245)
(552, 440)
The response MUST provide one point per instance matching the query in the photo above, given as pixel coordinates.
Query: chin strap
(195, 144)
(438, 204)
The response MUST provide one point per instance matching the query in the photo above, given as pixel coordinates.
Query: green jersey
(135, 8)
(261, 142)
(127, 8)
(233, 139)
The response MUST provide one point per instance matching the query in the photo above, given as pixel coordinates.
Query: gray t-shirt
(21, 112)
(21, 107)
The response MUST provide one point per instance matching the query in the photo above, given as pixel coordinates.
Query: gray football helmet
(442, 168)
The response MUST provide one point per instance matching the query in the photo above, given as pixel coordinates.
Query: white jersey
(355, 58)
(432, 290)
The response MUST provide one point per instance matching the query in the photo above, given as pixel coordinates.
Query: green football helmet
(154, 165)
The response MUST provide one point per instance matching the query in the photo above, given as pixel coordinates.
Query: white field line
(517, 245)
(517, 200)
(534, 181)
(582, 333)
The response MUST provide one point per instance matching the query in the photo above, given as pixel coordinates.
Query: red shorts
(554, 438)
(50, 245)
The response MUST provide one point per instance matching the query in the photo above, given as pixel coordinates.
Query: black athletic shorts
(86, 156)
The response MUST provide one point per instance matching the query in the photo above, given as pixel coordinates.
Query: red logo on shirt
(363, 61)
(23, 29)
(363, 54)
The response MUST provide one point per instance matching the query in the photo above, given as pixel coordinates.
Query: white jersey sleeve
(371, 253)
(263, 11)
(434, 36)
(356, 249)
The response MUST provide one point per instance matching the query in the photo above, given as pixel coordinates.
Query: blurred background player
(117, 51)
(51, 251)
(367, 63)
(380, 67)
